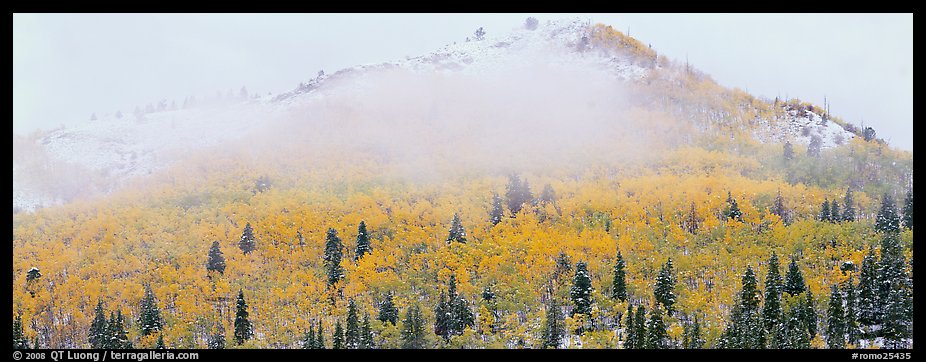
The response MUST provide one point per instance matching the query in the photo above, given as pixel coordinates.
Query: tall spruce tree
(848, 206)
(825, 211)
(853, 332)
(908, 210)
(664, 290)
(19, 337)
(452, 314)
(809, 314)
(216, 259)
(333, 254)
(457, 233)
(734, 212)
(246, 244)
(160, 343)
(308, 342)
(835, 217)
(337, 340)
(150, 317)
(771, 309)
(514, 194)
(895, 292)
(581, 291)
(794, 279)
(869, 305)
(413, 329)
(887, 220)
(363, 242)
(119, 338)
(553, 327)
(320, 336)
(656, 337)
(629, 329)
(498, 212)
(97, 335)
(639, 323)
(619, 285)
(744, 329)
(352, 335)
(387, 310)
(835, 320)
(243, 329)
(366, 334)
(693, 338)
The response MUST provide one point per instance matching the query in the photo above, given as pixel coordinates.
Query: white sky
(67, 66)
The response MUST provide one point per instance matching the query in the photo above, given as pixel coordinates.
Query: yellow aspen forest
(494, 210)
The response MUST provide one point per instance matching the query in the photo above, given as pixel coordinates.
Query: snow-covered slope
(130, 146)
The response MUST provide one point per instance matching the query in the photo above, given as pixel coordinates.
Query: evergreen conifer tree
(553, 326)
(581, 291)
(150, 317)
(498, 212)
(363, 241)
(771, 309)
(908, 210)
(216, 259)
(337, 341)
(887, 221)
(664, 290)
(246, 244)
(413, 329)
(333, 254)
(352, 335)
(794, 279)
(619, 285)
(848, 207)
(243, 329)
(97, 335)
(387, 310)
(457, 233)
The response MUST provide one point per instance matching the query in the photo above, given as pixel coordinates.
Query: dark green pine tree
(413, 329)
(333, 254)
(771, 310)
(908, 210)
(387, 310)
(462, 315)
(553, 326)
(149, 320)
(216, 259)
(848, 207)
(443, 317)
(581, 291)
(835, 320)
(796, 336)
(338, 337)
(834, 212)
(664, 290)
(619, 285)
(894, 293)
(308, 342)
(498, 212)
(809, 314)
(547, 195)
(217, 339)
(869, 306)
(246, 244)
(457, 233)
(887, 220)
(656, 337)
(734, 212)
(366, 334)
(794, 279)
(639, 324)
(630, 329)
(825, 211)
(693, 338)
(160, 343)
(745, 327)
(97, 335)
(118, 335)
(514, 194)
(352, 335)
(853, 332)
(363, 242)
(19, 338)
(243, 329)
(320, 335)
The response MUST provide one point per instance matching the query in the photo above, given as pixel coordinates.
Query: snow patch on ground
(800, 128)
